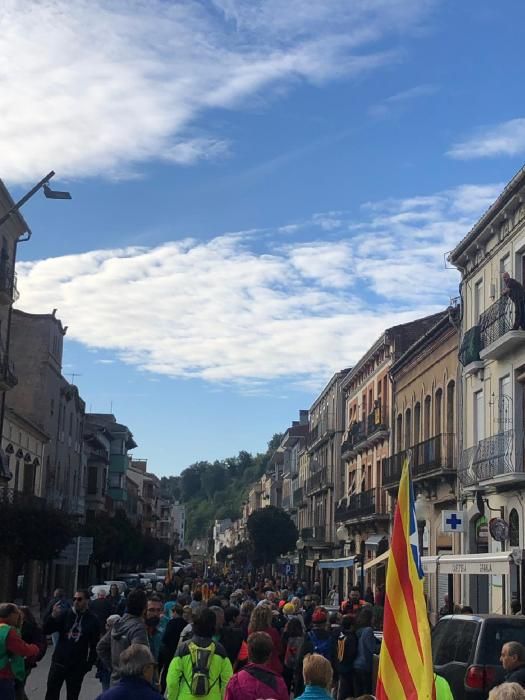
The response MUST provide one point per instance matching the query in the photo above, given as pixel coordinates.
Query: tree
(28, 532)
(272, 533)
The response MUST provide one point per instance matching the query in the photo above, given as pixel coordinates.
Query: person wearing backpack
(367, 646)
(200, 669)
(293, 639)
(346, 652)
(319, 640)
(256, 681)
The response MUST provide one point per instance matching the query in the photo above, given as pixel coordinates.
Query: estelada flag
(405, 661)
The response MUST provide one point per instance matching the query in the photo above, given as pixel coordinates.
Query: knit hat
(288, 608)
(319, 616)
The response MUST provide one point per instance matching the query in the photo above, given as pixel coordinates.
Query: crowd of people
(222, 639)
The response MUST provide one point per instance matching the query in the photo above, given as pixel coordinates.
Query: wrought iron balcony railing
(318, 480)
(490, 458)
(359, 505)
(497, 320)
(298, 496)
(433, 455)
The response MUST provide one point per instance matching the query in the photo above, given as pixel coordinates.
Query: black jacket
(77, 644)
(516, 676)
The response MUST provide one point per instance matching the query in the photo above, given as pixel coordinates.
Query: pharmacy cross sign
(453, 521)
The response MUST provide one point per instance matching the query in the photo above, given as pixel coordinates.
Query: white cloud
(94, 87)
(250, 308)
(399, 100)
(505, 139)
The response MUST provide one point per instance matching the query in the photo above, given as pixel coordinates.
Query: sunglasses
(79, 599)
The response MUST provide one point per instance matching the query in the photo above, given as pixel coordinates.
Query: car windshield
(495, 634)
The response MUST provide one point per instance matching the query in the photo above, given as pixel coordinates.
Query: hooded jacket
(130, 629)
(131, 688)
(256, 682)
(180, 672)
(79, 633)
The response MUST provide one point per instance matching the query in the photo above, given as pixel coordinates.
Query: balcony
(370, 504)
(286, 502)
(314, 535)
(430, 458)
(8, 289)
(491, 458)
(19, 498)
(8, 378)
(498, 336)
(321, 431)
(365, 434)
(298, 496)
(318, 481)
(469, 351)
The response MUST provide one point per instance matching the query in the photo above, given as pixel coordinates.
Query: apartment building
(148, 492)
(45, 398)
(120, 444)
(363, 512)
(292, 443)
(424, 388)
(97, 451)
(492, 407)
(24, 445)
(10, 235)
(172, 523)
(320, 477)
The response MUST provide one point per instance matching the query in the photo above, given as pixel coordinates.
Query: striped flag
(405, 662)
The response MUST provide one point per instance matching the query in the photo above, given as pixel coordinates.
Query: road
(36, 683)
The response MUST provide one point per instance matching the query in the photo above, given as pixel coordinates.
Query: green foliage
(30, 532)
(272, 533)
(216, 490)
(116, 539)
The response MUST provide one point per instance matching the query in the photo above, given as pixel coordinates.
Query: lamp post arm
(26, 197)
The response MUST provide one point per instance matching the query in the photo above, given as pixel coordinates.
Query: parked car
(466, 651)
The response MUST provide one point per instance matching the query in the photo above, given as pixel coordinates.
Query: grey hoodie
(129, 630)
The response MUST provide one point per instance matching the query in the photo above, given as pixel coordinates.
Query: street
(36, 683)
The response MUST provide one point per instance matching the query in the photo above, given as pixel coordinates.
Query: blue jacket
(131, 688)
(314, 692)
(367, 646)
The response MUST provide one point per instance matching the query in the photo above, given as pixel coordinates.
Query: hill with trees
(216, 490)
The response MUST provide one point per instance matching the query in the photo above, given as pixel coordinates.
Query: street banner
(405, 661)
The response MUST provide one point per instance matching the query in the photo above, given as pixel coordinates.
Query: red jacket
(256, 682)
(16, 646)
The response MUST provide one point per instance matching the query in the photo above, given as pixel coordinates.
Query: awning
(343, 563)
(429, 564)
(374, 540)
(496, 563)
(381, 559)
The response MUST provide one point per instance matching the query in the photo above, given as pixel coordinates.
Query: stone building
(44, 397)
(492, 408)
(362, 511)
(424, 382)
(320, 478)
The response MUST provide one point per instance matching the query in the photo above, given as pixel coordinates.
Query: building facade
(492, 407)
(424, 388)
(363, 512)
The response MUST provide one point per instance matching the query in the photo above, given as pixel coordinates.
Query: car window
(439, 642)
(495, 634)
(453, 640)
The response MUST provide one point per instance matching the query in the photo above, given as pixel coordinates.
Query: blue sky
(259, 188)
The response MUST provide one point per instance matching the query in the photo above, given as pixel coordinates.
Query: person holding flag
(405, 661)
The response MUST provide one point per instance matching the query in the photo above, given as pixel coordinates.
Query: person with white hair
(507, 691)
(137, 669)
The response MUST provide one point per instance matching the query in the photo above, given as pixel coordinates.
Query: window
(426, 417)
(504, 266)
(478, 300)
(504, 404)
(408, 426)
(417, 423)
(92, 481)
(437, 411)
(479, 417)
(115, 481)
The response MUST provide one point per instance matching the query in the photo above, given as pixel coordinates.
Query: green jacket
(443, 691)
(16, 663)
(180, 673)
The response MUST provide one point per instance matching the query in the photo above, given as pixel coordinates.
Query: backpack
(321, 646)
(346, 651)
(201, 658)
(293, 649)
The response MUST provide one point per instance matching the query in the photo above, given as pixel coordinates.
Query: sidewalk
(36, 683)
